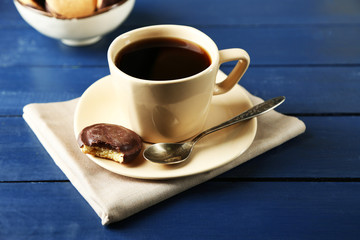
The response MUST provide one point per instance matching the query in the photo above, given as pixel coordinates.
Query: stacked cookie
(70, 8)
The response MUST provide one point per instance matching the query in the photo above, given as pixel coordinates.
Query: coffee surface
(162, 59)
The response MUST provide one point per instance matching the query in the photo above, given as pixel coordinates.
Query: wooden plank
(318, 90)
(232, 210)
(318, 153)
(311, 90)
(23, 157)
(267, 45)
(246, 12)
(292, 45)
(328, 149)
(24, 85)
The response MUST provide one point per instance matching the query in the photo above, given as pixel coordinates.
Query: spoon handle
(252, 112)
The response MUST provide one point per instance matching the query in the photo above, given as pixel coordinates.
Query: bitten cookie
(110, 141)
(71, 8)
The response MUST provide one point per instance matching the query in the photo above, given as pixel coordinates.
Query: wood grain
(266, 45)
(316, 154)
(277, 210)
(309, 90)
(307, 188)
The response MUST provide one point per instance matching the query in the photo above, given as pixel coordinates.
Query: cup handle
(238, 71)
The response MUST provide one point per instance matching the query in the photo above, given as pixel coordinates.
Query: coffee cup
(165, 78)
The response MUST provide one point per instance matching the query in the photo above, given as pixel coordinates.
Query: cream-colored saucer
(98, 104)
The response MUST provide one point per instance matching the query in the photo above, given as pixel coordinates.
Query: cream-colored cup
(172, 110)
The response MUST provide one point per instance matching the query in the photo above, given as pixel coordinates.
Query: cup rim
(214, 57)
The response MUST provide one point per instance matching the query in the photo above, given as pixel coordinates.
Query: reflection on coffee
(162, 59)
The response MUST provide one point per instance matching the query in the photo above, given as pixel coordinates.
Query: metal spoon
(171, 153)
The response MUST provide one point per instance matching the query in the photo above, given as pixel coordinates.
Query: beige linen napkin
(115, 197)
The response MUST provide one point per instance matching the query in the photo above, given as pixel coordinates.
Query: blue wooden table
(308, 188)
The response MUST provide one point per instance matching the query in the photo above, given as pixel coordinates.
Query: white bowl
(77, 31)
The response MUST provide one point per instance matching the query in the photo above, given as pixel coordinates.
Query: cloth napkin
(115, 197)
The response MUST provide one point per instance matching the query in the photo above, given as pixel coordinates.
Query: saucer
(98, 104)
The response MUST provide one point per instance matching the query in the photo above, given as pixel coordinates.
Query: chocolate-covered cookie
(110, 141)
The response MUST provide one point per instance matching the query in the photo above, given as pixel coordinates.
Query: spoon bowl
(173, 153)
(168, 153)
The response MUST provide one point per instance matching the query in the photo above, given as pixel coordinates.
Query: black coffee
(162, 59)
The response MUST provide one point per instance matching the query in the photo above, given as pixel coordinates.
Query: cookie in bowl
(71, 8)
(74, 22)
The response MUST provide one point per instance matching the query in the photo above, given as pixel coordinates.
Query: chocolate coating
(112, 137)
